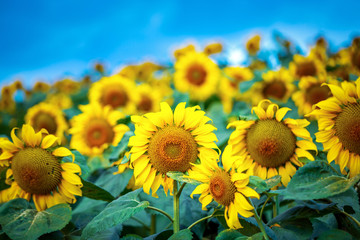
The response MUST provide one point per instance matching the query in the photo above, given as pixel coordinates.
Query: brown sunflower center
(36, 170)
(115, 97)
(306, 69)
(45, 120)
(317, 93)
(196, 74)
(270, 143)
(145, 104)
(275, 89)
(347, 126)
(222, 188)
(172, 149)
(98, 132)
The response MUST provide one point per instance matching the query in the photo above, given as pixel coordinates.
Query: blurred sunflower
(183, 51)
(37, 171)
(197, 74)
(95, 129)
(269, 145)
(60, 100)
(149, 98)
(306, 66)
(48, 116)
(226, 186)
(116, 92)
(213, 48)
(67, 86)
(167, 141)
(229, 85)
(253, 45)
(276, 85)
(339, 126)
(311, 91)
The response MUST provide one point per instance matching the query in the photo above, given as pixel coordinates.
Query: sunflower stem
(162, 212)
(176, 223)
(259, 222)
(351, 217)
(153, 224)
(263, 207)
(181, 189)
(275, 206)
(203, 219)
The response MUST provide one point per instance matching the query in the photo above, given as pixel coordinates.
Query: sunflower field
(192, 149)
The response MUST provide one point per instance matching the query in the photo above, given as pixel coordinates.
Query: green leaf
(335, 234)
(261, 185)
(113, 152)
(294, 230)
(181, 177)
(20, 222)
(92, 191)
(228, 234)
(182, 235)
(317, 180)
(3, 185)
(115, 213)
(131, 237)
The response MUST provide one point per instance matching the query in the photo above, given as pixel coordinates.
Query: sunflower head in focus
(311, 91)
(253, 45)
(309, 66)
(226, 186)
(49, 117)
(339, 126)
(116, 92)
(37, 171)
(197, 74)
(95, 129)
(275, 85)
(270, 145)
(169, 141)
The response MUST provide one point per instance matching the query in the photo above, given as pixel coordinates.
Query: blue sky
(51, 39)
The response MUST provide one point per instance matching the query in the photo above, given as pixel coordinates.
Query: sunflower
(253, 45)
(226, 186)
(149, 98)
(167, 141)
(229, 85)
(60, 100)
(115, 91)
(67, 86)
(339, 126)
(306, 66)
(276, 85)
(213, 48)
(183, 51)
(95, 129)
(197, 74)
(311, 91)
(37, 171)
(48, 116)
(269, 145)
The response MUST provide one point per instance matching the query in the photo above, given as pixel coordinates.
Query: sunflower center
(45, 120)
(172, 149)
(99, 132)
(270, 143)
(36, 170)
(145, 104)
(115, 98)
(317, 93)
(196, 75)
(306, 69)
(222, 188)
(347, 126)
(276, 89)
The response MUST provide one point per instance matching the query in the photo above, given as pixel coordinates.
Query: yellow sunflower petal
(249, 192)
(71, 178)
(334, 152)
(48, 141)
(280, 114)
(206, 201)
(63, 152)
(337, 92)
(166, 112)
(15, 139)
(39, 202)
(200, 189)
(28, 135)
(343, 159)
(179, 114)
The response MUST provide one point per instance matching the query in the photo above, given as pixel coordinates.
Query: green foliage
(94, 192)
(181, 177)
(261, 185)
(19, 221)
(115, 213)
(182, 235)
(229, 234)
(114, 152)
(317, 180)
